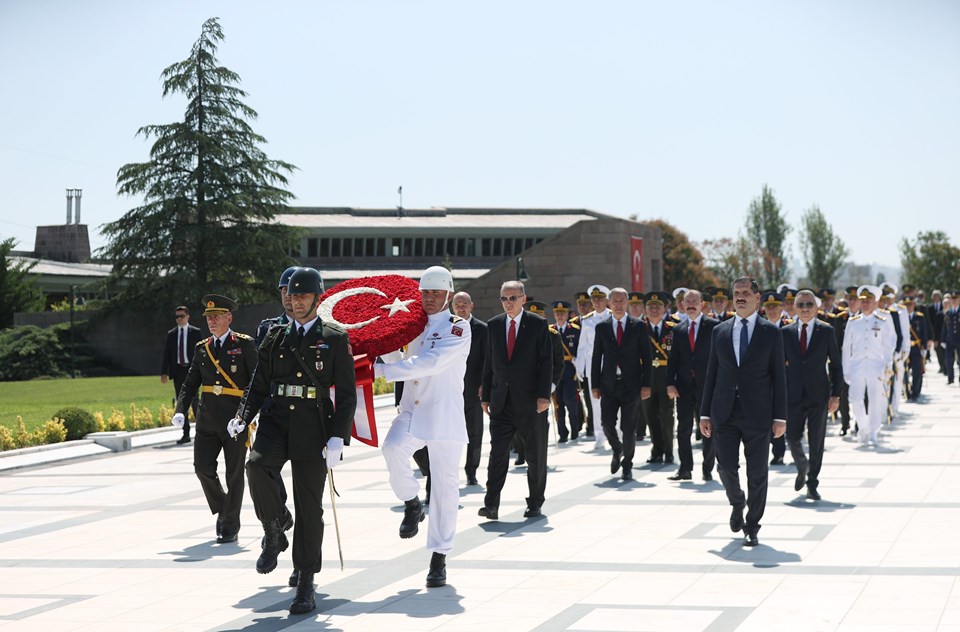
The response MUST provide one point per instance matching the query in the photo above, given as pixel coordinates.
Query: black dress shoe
(532, 512)
(562, 440)
(668, 459)
(750, 539)
(490, 513)
(736, 518)
(183, 440)
(707, 477)
(615, 462)
(294, 579)
(472, 480)
(226, 537)
(520, 461)
(627, 474)
(655, 459)
(843, 432)
(305, 600)
(813, 494)
(777, 460)
(437, 575)
(574, 436)
(219, 527)
(412, 517)
(681, 476)
(801, 477)
(589, 435)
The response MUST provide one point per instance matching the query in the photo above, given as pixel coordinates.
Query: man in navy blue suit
(744, 398)
(814, 379)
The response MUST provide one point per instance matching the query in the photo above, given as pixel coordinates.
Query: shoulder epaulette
(855, 317)
(919, 313)
(670, 324)
(553, 328)
(590, 314)
(455, 319)
(881, 317)
(243, 336)
(205, 341)
(574, 325)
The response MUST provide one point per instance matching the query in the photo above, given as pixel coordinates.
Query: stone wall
(596, 251)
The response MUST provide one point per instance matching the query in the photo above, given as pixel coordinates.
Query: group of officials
(739, 369)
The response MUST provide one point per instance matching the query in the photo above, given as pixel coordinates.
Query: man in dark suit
(934, 313)
(814, 378)
(918, 346)
(620, 378)
(744, 397)
(517, 374)
(686, 371)
(472, 381)
(177, 356)
(950, 334)
(658, 408)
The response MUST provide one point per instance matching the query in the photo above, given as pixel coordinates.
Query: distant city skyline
(679, 112)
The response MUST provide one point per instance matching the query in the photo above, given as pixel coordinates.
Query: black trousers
(309, 479)
(640, 421)
(568, 399)
(778, 445)
(844, 407)
(532, 428)
(950, 357)
(178, 374)
(206, 448)
(755, 437)
(658, 410)
(916, 373)
(688, 416)
(623, 401)
(810, 416)
(941, 356)
(585, 394)
(473, 416)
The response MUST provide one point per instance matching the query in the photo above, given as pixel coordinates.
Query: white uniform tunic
(588, 326)
(901, 356)
(431, 414)
(868, 347)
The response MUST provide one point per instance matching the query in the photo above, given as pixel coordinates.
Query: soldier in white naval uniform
(868, 346)
(584, 360)
(431, 414)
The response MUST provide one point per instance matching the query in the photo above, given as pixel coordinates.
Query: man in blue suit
(814, 379)
(744, 397)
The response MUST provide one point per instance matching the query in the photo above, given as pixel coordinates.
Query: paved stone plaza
(125, 542)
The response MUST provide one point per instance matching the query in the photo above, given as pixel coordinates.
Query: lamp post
(73, 300)
(522, 275)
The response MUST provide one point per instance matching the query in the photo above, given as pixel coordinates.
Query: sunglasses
(179, 316)
(508, 299)
(806, 305)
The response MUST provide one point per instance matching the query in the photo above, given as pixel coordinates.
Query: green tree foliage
(210, 195)
(930, 261)
(767, 230)
(683, 264)
(729, 259)
(824, 253)
(18, 292)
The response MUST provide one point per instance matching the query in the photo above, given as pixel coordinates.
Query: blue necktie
(743, 340)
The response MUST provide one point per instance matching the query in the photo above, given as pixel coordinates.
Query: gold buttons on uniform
(299, 374)
(292, 407)
(417, 402)
(416, 381)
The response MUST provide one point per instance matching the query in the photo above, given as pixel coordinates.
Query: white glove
(378, 370)
(235, 426)
(334, 450)
(393, 356)
(178, 420)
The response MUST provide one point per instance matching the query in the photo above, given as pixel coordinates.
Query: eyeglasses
(508, 299)
(806, 305)
(179, 316)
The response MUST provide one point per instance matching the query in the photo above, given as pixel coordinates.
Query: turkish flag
(636, 261)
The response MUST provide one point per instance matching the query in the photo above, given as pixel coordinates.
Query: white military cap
(598, 291)
(680, 290)
(872, 290)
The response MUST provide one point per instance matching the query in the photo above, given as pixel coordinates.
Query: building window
(381, 247)
(395, 248)
(528, 243)
(408, 247)
(428, 246)
(441, 247)
(418, 247)
(485, 247)
(312, 247)
(517, 246)
(358, 247)
(471, 248)
(497, 247)
(325, 247)
(335, 247)
(370, 248)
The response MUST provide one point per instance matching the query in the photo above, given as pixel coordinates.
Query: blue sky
(670, 110)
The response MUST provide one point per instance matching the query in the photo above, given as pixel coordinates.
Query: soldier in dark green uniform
(222, 366)
(658, 409)
(298, 364)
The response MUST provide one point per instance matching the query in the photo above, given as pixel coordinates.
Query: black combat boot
(412, 517)
(438, 571)
(305, 601)
(273, 543)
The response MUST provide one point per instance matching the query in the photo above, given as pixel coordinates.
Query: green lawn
(37, 400)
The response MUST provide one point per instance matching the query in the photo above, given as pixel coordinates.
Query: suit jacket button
(299, 374)
(292, 407)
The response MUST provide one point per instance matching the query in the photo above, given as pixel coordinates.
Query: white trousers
(398, 448)
(898, 386)
(600, 439)
(874, 386)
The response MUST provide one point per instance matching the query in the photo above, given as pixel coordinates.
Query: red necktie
(803, 340)
(183, 348)
(693, 334)
(511, 338)
(619, 332)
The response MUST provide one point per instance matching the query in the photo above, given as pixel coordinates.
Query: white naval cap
(873, 290)
(598, 291)
(680, 290)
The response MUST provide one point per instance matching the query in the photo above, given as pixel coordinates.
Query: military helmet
(285, 277)
(305, 281)
(436, 278)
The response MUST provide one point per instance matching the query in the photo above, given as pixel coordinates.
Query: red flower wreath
(380, 313)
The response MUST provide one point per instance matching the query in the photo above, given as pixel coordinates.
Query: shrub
(6, 439)
(78, 421)
(164, 416)
(117, 421)
(22, 438)
(29, 352)
(381, 386)
(101, 424)
(52, 431)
